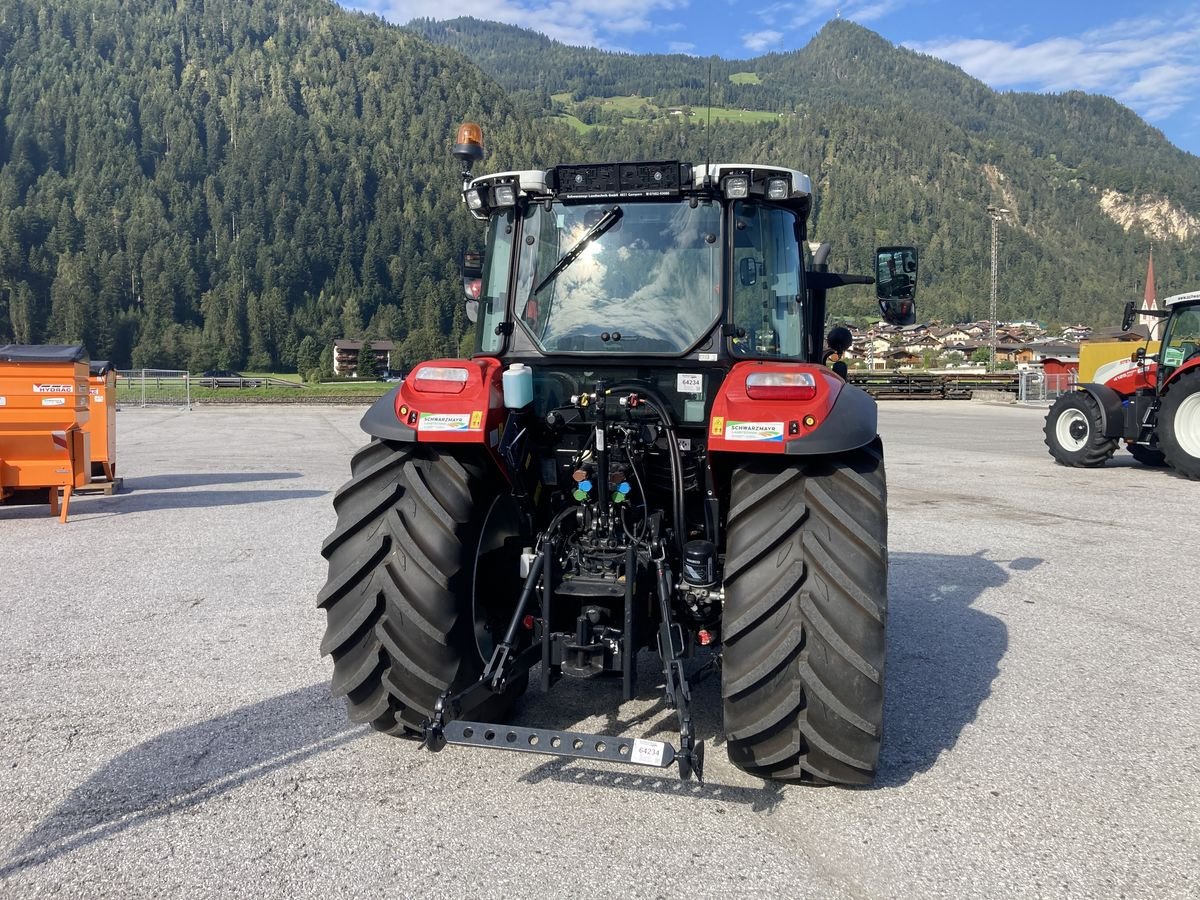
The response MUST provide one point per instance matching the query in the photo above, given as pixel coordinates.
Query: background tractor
(1152, 402)
(646, 452)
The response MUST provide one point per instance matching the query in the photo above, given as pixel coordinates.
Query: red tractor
(647, 451)
(1150, 402)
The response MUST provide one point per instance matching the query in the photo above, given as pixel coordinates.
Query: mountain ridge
(862, 117)
(235, 185)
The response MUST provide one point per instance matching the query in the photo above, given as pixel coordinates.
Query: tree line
(230, 184)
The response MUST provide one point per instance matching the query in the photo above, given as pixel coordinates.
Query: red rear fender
(452, 401)
(791, 408)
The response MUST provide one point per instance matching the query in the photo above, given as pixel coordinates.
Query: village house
(922, 344)
(952, 335)
(346, 353)
(1076, 333)
(902, 359)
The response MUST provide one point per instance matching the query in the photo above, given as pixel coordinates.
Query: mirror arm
(823, 281)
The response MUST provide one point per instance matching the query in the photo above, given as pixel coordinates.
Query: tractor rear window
(1183, 340)
(647, 282)
(494, 294)
(767, 285)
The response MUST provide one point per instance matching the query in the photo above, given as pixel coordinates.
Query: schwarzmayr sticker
(754, 431)
(444, 422)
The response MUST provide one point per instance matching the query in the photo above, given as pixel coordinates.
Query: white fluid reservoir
(518, 386)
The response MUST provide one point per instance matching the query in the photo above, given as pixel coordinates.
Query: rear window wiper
(603, 224)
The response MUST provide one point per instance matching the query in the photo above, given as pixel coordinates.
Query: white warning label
(648, 753)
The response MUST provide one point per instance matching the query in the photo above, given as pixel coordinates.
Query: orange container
(101, 424)
(43, 408)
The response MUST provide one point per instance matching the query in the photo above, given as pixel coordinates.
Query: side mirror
(896, 284)
(748, 271)
(1128, 315)
(472, 278)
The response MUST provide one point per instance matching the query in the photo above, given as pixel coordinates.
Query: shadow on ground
(943, 655)
(185, 767)
(200, 479)
(164, 492)
(142, 501)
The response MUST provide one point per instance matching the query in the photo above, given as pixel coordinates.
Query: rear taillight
(440, 380)
(781, 386)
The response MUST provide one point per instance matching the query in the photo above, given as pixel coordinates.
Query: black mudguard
(380, 420)
(1112, 414)
(852, 423)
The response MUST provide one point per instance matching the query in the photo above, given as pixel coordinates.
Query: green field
(629, 105)
(643, 109)
(576, 124)
(700, 113)
(745, 78)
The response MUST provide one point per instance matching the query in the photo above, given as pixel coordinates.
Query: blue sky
(1146, 56)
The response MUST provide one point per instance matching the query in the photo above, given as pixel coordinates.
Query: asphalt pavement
(166, 728)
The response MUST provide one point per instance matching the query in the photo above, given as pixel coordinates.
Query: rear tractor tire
(419, 529)
(805, 616)
(1074, 433)
(1179, 425)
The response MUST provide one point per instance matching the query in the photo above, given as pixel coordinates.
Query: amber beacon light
(468, 145)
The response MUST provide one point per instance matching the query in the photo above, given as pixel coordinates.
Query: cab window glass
(1183, 340)
(768, 283)
(494, 293)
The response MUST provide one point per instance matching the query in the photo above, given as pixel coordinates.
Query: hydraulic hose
(656, 402)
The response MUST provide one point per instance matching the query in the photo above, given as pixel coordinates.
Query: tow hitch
(507, 662)
(639, 752)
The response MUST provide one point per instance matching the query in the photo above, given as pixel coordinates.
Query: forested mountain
(227, 184)
(901, 147)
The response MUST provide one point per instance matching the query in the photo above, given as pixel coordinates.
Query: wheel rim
(1187, 425)
(497, 582)
(1072, 430)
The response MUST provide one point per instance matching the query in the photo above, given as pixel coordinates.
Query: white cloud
(1150, 64)
(796, 16)
(758, 41)
(591, 23)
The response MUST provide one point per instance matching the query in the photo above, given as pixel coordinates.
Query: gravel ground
(166, 727)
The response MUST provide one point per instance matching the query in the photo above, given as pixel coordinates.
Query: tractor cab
(1181, 335)
(697, 266)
